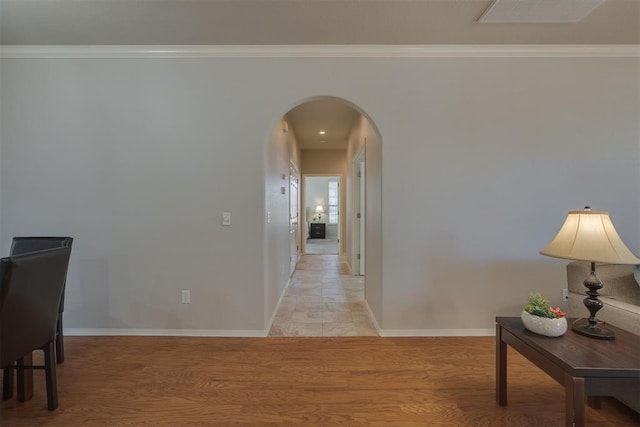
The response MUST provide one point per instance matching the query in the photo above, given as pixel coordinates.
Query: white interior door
(357, 260)
(362, 217)
(294, 218)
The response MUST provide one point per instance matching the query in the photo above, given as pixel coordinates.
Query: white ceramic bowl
(543, 325)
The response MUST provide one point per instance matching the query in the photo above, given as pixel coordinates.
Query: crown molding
(323, 51)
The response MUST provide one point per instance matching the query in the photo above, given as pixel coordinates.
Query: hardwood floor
(323, 381)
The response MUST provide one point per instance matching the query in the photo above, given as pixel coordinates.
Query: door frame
(303, 198)
(294, 218)
(359, 213)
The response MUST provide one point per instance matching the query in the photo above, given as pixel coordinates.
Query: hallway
(323, 299)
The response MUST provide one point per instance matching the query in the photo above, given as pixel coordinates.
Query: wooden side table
(584, 366)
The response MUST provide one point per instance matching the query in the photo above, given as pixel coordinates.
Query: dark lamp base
(583, 327)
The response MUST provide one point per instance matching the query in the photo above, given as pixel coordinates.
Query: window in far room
(333, 202)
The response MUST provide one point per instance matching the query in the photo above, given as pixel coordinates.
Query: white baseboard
(273, 315)
(264, 333)
(437, 332)
(428, 332)
(372, 317)
(167, 332)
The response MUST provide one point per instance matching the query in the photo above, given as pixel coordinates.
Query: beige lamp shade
(589, 236)
(319, 209)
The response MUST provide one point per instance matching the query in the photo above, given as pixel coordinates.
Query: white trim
(437, 332)
(273, 316)
(263, 334)
(321, 51)
(166, 332)
(372, 317)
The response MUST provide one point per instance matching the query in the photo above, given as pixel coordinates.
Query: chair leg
(50, 375)
(24, 378)
(7, 383)
(59, 340)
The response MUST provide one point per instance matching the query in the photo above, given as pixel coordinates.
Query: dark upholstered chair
(22, 245)
(30, 291)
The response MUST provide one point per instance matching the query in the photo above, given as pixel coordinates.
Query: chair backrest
(22, 245)
(30, 290)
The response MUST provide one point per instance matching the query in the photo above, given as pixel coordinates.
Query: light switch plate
(186, 297)
(226, 218)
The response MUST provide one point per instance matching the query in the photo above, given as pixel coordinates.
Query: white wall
(493, 163)
(481, 160)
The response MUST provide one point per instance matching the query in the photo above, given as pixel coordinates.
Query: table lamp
(319, 211)
(590, 236)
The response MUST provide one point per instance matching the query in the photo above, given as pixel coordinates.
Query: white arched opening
(288, 152)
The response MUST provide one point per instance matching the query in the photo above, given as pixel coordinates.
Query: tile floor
(322, 246)
(323, 299)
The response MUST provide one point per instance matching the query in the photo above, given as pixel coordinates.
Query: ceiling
(308, 22)
(275, 22)
(331, 116)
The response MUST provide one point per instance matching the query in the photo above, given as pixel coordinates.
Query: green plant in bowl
(539, 306)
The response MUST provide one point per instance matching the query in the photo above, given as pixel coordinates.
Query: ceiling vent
(538, 11)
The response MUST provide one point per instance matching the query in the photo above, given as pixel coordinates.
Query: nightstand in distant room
(318, 230)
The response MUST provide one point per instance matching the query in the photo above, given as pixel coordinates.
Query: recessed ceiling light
(322, 132)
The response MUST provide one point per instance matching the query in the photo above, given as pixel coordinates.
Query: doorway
(294, 218)
(359, 234)
(323, 137)
(322, 212)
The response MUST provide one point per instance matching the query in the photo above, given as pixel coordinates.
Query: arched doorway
(318, 136)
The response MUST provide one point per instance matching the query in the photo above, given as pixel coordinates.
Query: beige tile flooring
(323, 299)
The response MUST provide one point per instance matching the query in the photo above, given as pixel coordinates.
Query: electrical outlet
(565, 295)
(186, 297)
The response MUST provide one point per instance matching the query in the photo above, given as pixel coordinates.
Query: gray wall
(364, 138)
(282, 151)
(481, 159)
